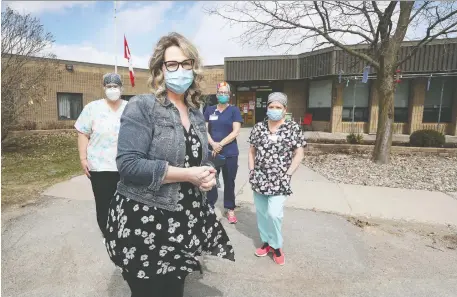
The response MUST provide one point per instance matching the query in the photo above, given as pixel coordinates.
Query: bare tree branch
(382, 26)
(429, 37)
(23, 76)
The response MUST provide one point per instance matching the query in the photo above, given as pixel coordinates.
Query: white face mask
(113, 94)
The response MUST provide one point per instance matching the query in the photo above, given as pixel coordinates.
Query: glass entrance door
(246, 104)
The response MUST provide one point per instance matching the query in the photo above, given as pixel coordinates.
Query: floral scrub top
(274, 153)
(102, 125)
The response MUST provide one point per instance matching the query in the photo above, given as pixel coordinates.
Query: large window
(401, 102)
(69, 105)
(433, 99)
(356, 97)
(127, 97)
(320, 100)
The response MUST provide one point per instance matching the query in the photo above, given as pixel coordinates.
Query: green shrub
(354, 138)
(427, 138)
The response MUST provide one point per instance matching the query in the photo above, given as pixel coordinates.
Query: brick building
(426, 94)
(342, 103)
(78, 83)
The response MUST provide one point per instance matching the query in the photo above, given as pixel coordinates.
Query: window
(433, 99)
(320, 100)
(69, 105)
(401, 102)
(127, 97)
(356, 96)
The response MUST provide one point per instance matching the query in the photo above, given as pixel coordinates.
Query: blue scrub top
(223, 126)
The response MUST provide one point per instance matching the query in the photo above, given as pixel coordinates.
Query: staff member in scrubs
(276, 152)
(224, 122)
(98, 129)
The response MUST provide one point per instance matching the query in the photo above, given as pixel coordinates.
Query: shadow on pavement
(194, 287)
(247, 222)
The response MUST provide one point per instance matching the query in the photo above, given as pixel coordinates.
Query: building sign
(259, 102)
(243, 89)
(245, 108)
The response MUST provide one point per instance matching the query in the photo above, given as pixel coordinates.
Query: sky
(85, 30)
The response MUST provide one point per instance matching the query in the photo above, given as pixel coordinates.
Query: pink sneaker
(263, 251)
(278, 257)
(231, 217)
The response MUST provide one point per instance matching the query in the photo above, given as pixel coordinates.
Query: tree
(382, 26)
(24, 41)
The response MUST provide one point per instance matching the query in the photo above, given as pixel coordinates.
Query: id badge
(213, 117)
(273, 138)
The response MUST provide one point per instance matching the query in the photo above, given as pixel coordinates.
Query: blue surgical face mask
(274, 114)
(223, 99)
(179, 81)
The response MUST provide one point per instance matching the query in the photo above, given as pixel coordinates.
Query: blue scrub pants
(229, 170)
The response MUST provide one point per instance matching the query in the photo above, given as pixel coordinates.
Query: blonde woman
(160, 221)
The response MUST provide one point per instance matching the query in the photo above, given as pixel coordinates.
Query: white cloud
(216, 39)
(132, 20)
(88, 53)
(213, 36)
(143, 19)
(138, 23)
(38, 7)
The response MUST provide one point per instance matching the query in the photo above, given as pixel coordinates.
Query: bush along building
(337, 89)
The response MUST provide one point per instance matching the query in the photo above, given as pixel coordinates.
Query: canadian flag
(129, 59)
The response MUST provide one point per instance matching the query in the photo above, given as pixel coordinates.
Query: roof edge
(330, 49)
(90, 64)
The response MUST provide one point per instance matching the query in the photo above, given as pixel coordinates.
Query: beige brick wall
(374, 110)
(416, 104)
(296, 92)
(212, 76)
(87, 79)
(453, 127)
(336, 116)
(356, 127)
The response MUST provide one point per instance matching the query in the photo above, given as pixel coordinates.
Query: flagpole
(115, 39)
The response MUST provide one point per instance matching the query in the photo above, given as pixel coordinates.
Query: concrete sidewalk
(313, 191)
(54, 248)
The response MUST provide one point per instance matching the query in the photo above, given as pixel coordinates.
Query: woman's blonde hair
(157, 79)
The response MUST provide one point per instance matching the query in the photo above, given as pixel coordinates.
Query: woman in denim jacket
(159, 221)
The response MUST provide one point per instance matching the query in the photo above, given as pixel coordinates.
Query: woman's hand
(85, 167)
(199, 175)
(217, 147)
(208, 183)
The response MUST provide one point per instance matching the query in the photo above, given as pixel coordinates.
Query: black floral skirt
(147, 241)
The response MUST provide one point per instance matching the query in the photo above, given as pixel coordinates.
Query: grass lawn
(32, 163)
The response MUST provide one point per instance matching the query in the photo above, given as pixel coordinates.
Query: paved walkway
(312, 191)
(54, 248)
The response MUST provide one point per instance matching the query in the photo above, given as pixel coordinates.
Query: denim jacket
(151, 138)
